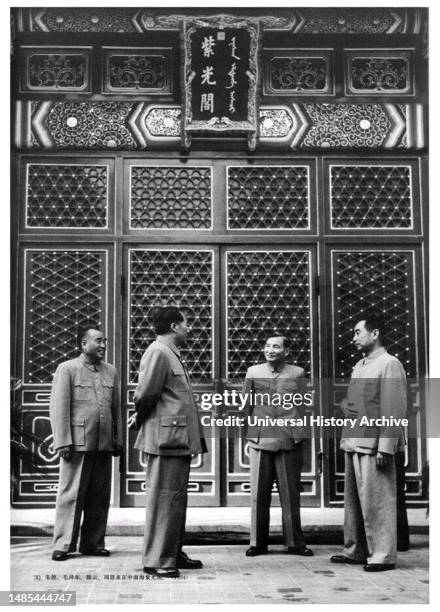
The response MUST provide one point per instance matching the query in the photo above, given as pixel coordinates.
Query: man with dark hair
(85, 415)
(377, 389)
(275, 453)
(170, 434)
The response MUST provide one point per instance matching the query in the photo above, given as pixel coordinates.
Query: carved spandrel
(375, 73)
(137, 70)
(55, 69)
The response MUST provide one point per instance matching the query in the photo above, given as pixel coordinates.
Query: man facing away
(85, 415)
(377, 389)
(170, 434)
(275, 453)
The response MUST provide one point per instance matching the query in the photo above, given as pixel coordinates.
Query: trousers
(84, 488)
(370, 522)
(166, 500)
(285, 467)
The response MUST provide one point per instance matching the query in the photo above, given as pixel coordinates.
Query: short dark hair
(375, 320)
(164, 316)
(83, 331)
(279, 334)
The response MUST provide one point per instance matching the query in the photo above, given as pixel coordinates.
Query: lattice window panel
(267, 291)
(268, 197)
(371, 197)
(170, 197)
(65, 291)
(172, 277)
(67, 196)
(378, 281)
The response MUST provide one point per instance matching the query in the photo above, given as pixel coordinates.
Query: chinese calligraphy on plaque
(220, 77)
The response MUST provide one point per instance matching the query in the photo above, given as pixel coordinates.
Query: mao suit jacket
(377, 389)
(260, 379)
(85, 409)
(166, 411)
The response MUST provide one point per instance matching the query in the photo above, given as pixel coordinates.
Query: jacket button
(174, 422)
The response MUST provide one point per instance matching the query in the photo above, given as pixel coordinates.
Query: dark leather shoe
(299, 550)
(379, 567)
(403, 547)
(159, 572)
(254, 551)
(59, 555)
(344, 559)
(184, 562)
(97, 552)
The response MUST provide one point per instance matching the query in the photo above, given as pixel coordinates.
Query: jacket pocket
(107, 387)
(178, 380)
(82, 391)
(173, 433)
(79, 432)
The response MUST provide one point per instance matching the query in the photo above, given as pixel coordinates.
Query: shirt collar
(170, 344)
(376, 353)
(276, 370)
(90, 366)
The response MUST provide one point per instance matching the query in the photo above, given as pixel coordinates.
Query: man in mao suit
(275, 454)
(377, 389)
(170, 434)
(85, 415)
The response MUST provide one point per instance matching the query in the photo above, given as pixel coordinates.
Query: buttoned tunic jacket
(167, 413)
(263, 379)
(377, 389)
(85, 410)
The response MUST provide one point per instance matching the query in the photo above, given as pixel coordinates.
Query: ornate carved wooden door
(185, 276)
(63, 282)
(233, 291)
(378, 201)
(268, 288)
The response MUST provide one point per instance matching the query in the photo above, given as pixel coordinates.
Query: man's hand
(383, 459)
(348, 408)
(65, 452)
(117, 450)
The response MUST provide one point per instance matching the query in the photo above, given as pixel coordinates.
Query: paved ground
(227, 577)
(207, 522)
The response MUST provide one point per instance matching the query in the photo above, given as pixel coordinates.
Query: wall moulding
(331, 20)
(138, 125)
